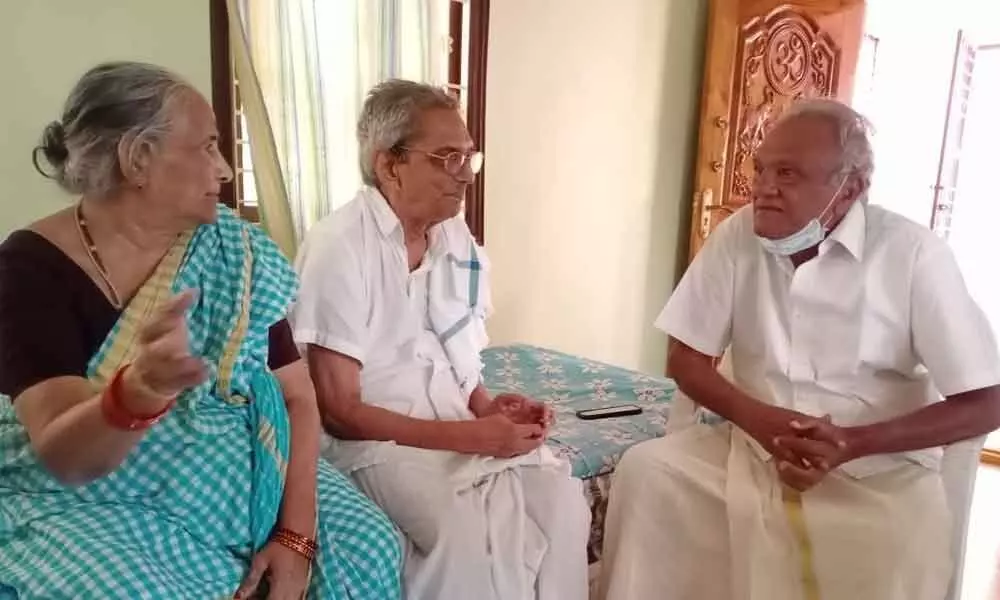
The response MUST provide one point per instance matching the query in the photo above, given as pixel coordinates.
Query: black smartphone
(607, 412)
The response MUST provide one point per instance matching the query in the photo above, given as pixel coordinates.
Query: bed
(570, 383)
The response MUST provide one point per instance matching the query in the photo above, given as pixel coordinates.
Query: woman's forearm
(69, 431)
(298, 504)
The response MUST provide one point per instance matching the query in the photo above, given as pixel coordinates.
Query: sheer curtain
(304, 67)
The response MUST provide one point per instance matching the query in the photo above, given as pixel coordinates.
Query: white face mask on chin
(811, 235)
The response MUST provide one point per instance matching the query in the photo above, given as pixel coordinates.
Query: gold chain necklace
(95, 258)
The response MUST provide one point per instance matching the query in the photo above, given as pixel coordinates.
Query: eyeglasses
(453, 162)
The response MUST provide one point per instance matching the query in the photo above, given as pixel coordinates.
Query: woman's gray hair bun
(53, 148)
(113, 104)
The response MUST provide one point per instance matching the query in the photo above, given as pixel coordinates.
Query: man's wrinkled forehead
(806, 140)
(442, 129)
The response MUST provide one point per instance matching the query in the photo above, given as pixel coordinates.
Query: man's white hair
(390, 117)
(853, 131)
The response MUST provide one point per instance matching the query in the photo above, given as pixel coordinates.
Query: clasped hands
(805, 449)
(512, 425)
(523, 410)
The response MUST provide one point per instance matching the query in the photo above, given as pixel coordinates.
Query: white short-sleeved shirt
(359, 298)
(878, 325)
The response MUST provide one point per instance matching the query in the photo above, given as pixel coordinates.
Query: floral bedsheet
(570, 383)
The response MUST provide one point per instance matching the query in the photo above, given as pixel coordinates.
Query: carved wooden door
(762, 55)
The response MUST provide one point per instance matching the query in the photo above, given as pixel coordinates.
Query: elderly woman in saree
(158, 431)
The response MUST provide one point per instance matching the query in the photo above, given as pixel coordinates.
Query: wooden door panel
(761, 56)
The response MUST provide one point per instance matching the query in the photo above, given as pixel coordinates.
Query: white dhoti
(698, 515)
(484, 529)
(477, 528)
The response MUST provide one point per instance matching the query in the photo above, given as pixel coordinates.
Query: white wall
(591, 121)
(44, 48)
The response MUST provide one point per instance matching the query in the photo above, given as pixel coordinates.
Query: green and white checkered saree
(182, 516)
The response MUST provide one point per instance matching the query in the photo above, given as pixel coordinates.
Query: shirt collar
(386, 220)
(850, 233)
(391, 227)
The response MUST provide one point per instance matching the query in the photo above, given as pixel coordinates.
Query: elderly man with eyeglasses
(392, 310)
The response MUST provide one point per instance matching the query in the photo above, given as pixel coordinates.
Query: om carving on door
(753, 72)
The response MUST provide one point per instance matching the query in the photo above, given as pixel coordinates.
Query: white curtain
(308, 65)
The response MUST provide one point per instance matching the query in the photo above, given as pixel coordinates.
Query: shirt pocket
(885, 343)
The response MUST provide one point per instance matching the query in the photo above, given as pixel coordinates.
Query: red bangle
(300, 544)
(121, 418)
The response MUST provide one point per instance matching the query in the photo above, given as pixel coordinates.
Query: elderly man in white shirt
(392, 309)
(843, 325)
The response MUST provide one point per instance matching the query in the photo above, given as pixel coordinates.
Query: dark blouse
(53, 318)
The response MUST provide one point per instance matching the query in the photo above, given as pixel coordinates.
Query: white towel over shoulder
(459, 301)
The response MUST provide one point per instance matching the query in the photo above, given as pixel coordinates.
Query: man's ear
(856, 187)
(387, 168)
